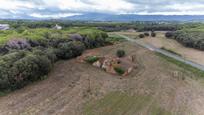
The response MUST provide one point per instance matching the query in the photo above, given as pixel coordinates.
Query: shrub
(141, 36)
(120, 53)
(18, 44)
(44, 65)
(91, 59)
(119, 70)
(153, 34)
(6, 72)
(93, 38)
(51, 54)
(146, 34)
(43, 42)
(19, 68)
(29, 68)
(70, 50)
(77, 48)
(23, 70)
(76, 37)
(55, 42)
(169, 34)
(33, 43)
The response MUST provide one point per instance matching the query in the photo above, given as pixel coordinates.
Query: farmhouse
(57, 27)
(4, 26)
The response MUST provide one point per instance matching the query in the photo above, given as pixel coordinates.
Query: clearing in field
(156, 87)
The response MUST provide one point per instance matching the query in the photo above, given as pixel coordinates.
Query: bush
(18, 44)
(21, 72)
(19, 68)
(77, 48)
(70, 50)
(169, 34)
(91, 59)
(141, 36)
(76, 37)
(51, 55)
(153, 34)
(93, 39)
(120, 53)
(33, 43)
(119, 70)
(146, 34)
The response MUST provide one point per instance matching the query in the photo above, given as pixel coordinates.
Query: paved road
(152, 48)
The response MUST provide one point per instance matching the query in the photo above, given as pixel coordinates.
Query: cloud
(66, 8)
(55, 16)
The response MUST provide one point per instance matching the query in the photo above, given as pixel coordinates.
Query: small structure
(4, 27)
(57, 27)
(114, 65)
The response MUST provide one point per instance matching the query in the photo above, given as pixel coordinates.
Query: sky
(66, 8)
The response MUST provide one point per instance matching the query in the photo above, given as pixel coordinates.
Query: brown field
(160, 41)
(156, 87)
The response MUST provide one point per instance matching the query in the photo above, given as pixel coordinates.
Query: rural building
(57, 27)
(4, 26)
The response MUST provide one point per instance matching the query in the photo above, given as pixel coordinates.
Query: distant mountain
(132, 17)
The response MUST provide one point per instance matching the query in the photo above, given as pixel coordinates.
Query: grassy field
(186, 67)
(117, 103)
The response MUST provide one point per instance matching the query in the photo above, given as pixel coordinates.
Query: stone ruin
(109, 64)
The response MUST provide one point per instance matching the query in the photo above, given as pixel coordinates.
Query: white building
(4, 27)
(57, 27)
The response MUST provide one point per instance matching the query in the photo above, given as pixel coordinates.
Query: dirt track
(71, 84)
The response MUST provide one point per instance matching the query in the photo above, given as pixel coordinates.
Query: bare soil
(71, 85)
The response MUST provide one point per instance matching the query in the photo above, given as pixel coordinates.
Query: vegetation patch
(119, 70)
(189, 37)
(171, 51)
(115, 39)
(32, 53)
(153, 34)
(91, 59)
(146, 34)
(141, 35)
(120, 53)
(118, 103)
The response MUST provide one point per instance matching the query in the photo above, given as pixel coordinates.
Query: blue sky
(66, 8)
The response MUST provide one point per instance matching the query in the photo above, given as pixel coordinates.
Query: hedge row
(24, 61)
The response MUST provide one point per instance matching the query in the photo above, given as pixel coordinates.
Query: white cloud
(15, 4)
(55, 16)
(112, 6)
(64, 8)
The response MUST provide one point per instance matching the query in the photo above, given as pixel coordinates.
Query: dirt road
(71, 85)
